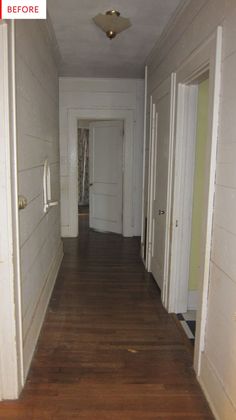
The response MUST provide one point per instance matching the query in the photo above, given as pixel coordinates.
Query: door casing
(206, 59)
(11, 354)
(174, 295)
(128, 205)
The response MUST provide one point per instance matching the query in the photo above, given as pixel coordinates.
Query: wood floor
(108, 350)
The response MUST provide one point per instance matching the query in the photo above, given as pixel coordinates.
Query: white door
(162, 121)
(105, 175)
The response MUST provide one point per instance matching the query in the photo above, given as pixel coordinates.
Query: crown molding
(168, 28)
(53, 40)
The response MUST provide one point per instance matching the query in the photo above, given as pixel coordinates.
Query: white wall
(98, 94)
(189, 30)
(38, 139)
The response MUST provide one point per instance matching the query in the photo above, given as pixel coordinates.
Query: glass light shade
(112, 23)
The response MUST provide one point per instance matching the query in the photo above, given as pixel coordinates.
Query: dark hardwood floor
(108, 350)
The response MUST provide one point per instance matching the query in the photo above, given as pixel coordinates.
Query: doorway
(176, 207)
(83, 165)
(159, 184)
(188, 318)
(72, 230)
(100, 174)
(204, 63)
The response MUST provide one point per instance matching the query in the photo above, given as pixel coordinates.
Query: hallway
(108, 350)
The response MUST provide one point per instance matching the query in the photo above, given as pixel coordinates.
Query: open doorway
(100, 174)
(194, 185)
(188, 318)
(83, 168)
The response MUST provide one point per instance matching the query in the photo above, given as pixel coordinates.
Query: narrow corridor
(108, 350)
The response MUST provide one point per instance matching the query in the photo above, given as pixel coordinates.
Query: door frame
(101, 114)
(168, 86)
(143, 224)
(11, 343)
(206, 58)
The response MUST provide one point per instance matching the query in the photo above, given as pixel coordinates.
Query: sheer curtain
(83, 149)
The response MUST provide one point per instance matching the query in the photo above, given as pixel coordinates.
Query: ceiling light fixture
(112, 23)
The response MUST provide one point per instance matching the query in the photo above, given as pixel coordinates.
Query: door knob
(160, 212)
(91, 184)
(22, 202)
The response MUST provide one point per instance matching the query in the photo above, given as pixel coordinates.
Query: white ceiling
(85, 49)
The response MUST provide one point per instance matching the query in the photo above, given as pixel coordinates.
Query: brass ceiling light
(112, 23)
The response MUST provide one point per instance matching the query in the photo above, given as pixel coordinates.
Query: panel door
(105, 174)
(161, 174)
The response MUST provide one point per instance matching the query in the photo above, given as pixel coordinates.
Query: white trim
(15, 193)
(103, 114)
(150, 184)
(144, 164)
(165, 294)
(11, 360)
(167, 30)
(183, 194)
(207, 57)
(214, 106)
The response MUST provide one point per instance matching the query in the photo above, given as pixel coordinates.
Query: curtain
(83, 143)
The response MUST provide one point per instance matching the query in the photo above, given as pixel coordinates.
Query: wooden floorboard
(108, 350)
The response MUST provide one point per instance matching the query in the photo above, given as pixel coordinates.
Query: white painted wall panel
(225, 215)
(38, 139)
(222, 346)
(189, 30)
(83, 84)
(105, 94)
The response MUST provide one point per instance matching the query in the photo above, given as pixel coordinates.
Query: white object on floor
(187, 329)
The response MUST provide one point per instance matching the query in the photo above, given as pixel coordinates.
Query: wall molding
(167, 30)
(50, 33)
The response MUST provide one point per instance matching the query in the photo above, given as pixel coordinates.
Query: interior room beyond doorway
(100, 173)
(189, 318)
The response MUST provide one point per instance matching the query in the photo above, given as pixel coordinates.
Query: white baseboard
(41, 308)
(215, 393)
(193, 296)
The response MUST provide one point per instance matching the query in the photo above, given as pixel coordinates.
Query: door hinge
(176, 223)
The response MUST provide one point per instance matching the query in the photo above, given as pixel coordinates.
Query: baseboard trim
(193, 296)
(40, 312)
(215, 393)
